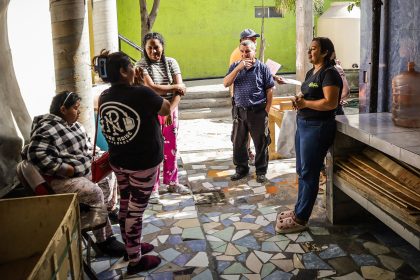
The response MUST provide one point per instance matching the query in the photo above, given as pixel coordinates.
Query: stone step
(206, 91)
(204, 102)
(205, 113)
(205, 94)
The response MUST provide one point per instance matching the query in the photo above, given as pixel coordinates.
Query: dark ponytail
(327, 46)
(108, 65)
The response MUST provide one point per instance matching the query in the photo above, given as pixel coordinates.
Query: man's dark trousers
(255, 121)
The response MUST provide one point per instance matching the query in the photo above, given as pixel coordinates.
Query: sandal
(179, 188)
(285, 214)
(289, 225)
(322, 177)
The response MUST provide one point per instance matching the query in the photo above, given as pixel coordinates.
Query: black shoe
(261, 178)
(237, 176)
(113, 217)
(144, 264)
(112, 247)
(144, 247)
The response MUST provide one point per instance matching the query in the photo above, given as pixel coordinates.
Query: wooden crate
(40, 238)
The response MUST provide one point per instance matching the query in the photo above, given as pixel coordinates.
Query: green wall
(201, 34)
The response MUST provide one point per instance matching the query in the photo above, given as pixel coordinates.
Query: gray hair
(249, 43)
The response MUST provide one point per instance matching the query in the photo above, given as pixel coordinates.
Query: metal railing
(121, 38)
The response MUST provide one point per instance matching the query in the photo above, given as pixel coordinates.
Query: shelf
(380, 211)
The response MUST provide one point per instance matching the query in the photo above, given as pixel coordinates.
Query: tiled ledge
(378, 131)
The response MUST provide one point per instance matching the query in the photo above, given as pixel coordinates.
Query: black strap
(96, 127)
(168, 72)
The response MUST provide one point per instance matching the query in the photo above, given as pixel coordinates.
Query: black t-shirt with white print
(312, 90)
(130, 125)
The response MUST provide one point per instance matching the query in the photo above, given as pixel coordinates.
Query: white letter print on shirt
(120, 123)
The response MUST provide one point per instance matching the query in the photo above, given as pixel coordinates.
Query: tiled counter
(355, 132)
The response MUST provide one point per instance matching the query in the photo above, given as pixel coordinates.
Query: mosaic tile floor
(225, 230)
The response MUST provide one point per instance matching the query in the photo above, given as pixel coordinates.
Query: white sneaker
(154, 197)
(163, 188)
(179, 188)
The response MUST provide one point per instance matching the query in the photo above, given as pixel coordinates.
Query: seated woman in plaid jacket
(60, 149)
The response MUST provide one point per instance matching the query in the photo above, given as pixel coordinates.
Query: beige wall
(343, 28)
(30, 40)
(345, 34)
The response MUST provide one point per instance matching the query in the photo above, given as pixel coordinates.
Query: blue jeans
(312, 140)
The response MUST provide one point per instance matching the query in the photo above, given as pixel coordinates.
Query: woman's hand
(299, 103)
(294, 103)
(138, 76)
(181, 89)
(168, 120)
(69, 171)
(279, 80)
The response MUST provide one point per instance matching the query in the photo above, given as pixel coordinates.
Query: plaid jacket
(54, 145)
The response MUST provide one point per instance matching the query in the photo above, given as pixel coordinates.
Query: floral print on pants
(170, 166)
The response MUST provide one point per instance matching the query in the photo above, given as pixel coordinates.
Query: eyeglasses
(67, 97)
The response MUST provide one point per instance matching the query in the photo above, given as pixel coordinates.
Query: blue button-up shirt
(250, 85)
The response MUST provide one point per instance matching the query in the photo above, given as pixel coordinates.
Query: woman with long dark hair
(129, 120)
(315, 133)
(163, 75)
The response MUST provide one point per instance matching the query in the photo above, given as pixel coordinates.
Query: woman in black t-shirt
(315, 132)
(129, 120)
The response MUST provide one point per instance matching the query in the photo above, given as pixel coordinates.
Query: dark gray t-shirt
(312, 90)
(130, 125)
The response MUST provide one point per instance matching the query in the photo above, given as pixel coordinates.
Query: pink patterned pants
(170, 166)
(135, 189)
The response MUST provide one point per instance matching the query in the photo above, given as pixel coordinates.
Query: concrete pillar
(12, 110)
(70, 32)
(304, 35)
(105, 25)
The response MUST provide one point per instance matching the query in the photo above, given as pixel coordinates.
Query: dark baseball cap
(248, 33)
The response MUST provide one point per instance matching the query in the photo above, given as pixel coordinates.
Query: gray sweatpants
(88, 193)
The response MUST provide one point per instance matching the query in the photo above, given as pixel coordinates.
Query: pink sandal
(285, 214)
(289, 225)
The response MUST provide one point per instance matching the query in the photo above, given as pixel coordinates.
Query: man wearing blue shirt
(253, 94)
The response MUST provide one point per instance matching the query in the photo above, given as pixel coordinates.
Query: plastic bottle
(406, 98)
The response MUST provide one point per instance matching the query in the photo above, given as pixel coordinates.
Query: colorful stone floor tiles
(225, 230)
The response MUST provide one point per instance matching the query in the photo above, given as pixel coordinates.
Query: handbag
(100, 167)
